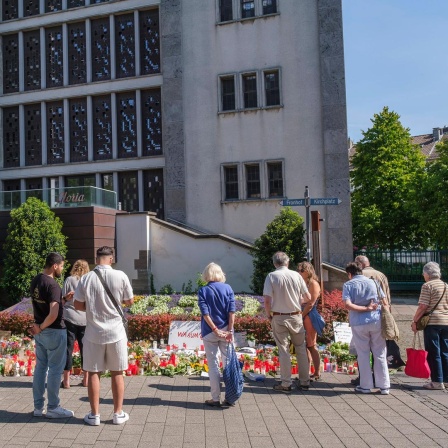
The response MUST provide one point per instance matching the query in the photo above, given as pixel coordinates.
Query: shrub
(167, 289)
(285, 233)
(16, 323)
(34, 232)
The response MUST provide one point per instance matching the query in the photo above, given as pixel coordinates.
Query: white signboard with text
(342, 332)
(185, 334)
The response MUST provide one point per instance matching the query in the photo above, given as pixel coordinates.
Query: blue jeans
(51, 354)
(436, 344)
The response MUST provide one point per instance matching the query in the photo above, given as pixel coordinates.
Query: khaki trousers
(284, 327)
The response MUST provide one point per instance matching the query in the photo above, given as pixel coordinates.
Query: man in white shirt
(284, 293)
(105, 341)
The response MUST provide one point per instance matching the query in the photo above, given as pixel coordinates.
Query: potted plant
(250, 338)
(76, 360)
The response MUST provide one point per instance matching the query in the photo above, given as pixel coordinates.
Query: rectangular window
(125, 45)
(228, 93)
(11, 137)
(107, 181)
(269, 7)
(128, 191)
(275, 177)
(250, 91)
(272, 88)
(34, 188)
(253, 186)
(225, 10)
(153, 191)
(247, 9)
(231, 182)
(87, 180)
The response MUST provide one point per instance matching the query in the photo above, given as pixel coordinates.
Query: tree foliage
(34, 232)
(434, 199)
(285, 233)
(387, 174)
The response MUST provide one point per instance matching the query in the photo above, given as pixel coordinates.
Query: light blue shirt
(361, 290)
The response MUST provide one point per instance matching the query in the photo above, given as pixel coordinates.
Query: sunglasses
(302, 270)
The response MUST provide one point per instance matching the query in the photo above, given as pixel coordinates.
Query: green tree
(285, 233)
(34, 232)
(434, 199)
(387, 174)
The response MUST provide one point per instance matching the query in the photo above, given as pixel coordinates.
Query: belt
(274, 313)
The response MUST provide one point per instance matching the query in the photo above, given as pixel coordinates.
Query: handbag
(116, 304)
(393, 356)
(417, 365)
(389, 328)
(317, 320)
(232, 375)
(424, 320)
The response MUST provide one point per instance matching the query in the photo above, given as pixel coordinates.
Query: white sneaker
(120, 419)
(59, 412)
(92, 420)
(38, 412)
(384, 391)
(434, 386)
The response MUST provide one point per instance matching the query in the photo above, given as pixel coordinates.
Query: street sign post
(308, 202)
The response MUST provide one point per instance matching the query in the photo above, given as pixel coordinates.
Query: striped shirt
(430, 295)
(104, 324)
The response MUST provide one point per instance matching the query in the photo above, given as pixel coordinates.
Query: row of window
(14, 9)
(249, 90)
(115, 44)
(128, 191)
(136, 129)
(230, 10)
(253, 180)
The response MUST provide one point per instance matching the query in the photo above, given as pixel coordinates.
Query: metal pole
(307, 223)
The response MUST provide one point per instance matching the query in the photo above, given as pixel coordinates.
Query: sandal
(315, 378)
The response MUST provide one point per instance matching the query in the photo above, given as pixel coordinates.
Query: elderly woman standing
(75, 321)
(360, 295)
(217, 304)
(308, 274)
(434, 297)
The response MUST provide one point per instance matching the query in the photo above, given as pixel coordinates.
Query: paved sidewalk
(169, 412)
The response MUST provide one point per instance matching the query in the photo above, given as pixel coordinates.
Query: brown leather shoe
(215, 404)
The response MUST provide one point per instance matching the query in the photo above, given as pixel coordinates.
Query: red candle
(168, 348)
(29, 371)
(184, 345)
(202, 348)
(129, 371)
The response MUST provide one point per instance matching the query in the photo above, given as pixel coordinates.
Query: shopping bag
(394, 360)
(417, 365)
(232, 376)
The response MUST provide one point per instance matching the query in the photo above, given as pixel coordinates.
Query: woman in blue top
(360, 295)
(217, 304)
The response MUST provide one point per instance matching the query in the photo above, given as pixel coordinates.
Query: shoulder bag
(424, 320)
(114, 301)
(389, 328)
(232, 376)
(417, 364)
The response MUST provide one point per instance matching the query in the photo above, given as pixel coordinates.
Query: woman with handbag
(432, 317)
(312, 320)
(216, 301)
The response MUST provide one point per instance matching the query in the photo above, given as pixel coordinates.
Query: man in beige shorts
(105, 341)
(284, 292)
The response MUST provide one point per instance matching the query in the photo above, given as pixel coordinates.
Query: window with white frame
(228, 100)
(225, 10)
(231, 190)
(250, 90)
(272, 88)
(275, 179)
(247, 9)
(269, 7)
(253, 181)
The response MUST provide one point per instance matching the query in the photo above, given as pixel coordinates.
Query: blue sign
(325, 201)
(292, 202)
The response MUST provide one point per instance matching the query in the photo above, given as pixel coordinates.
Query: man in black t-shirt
(50, 336)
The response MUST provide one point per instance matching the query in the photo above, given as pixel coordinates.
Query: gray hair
(363, 260)
(432, 269)
(280, 259)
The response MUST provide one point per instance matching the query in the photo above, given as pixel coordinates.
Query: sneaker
(384, 391)
(120, 419)
(92, 420)
(38, 412)
(360, 390)
(284, 389)
(434, 386)
(59, 412)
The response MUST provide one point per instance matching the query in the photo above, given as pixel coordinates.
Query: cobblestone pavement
(169, 412)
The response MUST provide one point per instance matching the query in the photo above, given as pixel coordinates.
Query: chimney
(436, 134)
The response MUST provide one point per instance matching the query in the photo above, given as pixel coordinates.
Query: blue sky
(396, 55)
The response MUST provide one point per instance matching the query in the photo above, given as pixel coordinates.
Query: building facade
(207, 113)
